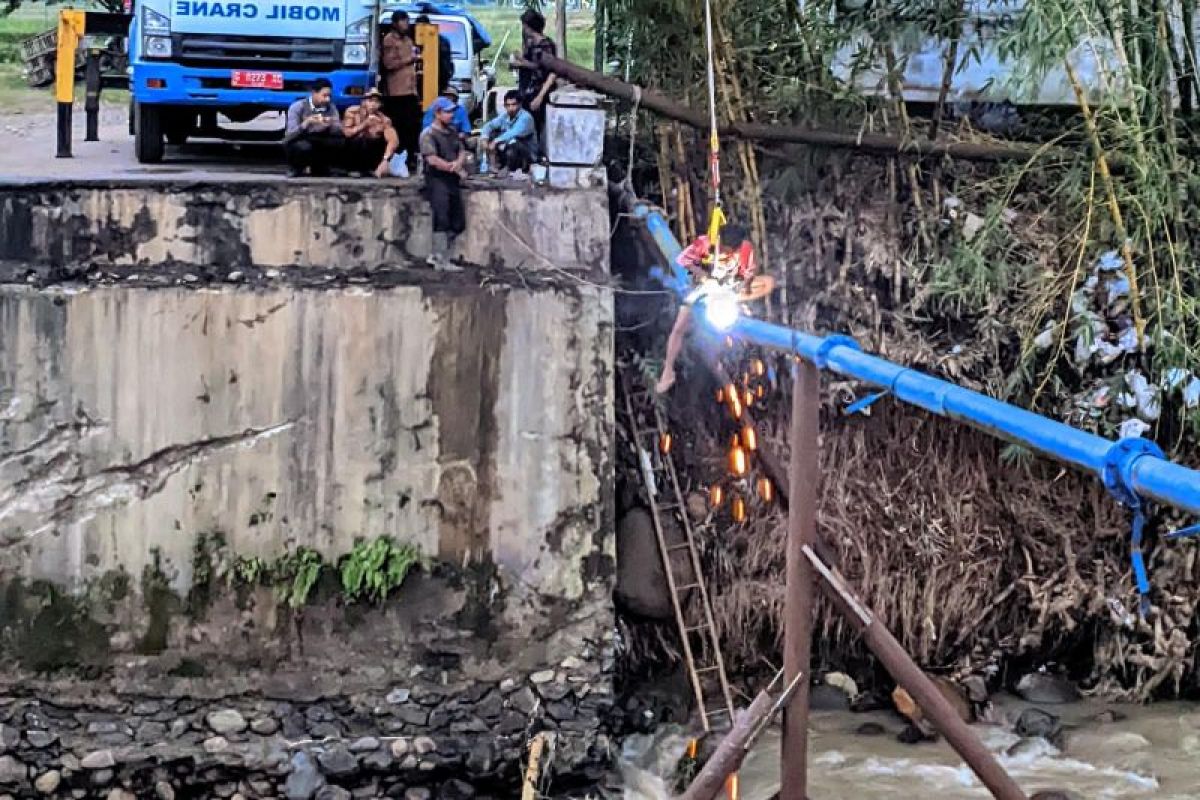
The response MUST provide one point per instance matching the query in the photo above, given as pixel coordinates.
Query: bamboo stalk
(533, 769)
(1114, 207)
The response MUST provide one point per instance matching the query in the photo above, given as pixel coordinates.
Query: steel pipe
(1130, 469)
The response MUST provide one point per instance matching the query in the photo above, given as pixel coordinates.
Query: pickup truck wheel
(148, 139)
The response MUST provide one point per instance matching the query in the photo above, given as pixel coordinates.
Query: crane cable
(717, 219)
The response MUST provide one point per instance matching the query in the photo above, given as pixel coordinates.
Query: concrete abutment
(211, 394)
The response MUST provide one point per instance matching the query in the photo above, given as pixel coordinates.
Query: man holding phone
(314, 139)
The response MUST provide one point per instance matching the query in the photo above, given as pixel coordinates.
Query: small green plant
(373, 570)
(249, 571)
(296, 574)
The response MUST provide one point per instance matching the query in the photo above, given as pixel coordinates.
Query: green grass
(581, 34)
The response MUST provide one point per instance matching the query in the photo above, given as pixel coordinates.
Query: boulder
(641, 586)
(304, 780)
(1035, 722)
(48, 782)
(12, 772)
(226, 722)
(1046, 689)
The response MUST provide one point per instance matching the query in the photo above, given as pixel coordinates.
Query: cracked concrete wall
(475, 423)
(279, 224)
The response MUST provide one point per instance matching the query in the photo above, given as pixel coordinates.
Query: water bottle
(483, 163)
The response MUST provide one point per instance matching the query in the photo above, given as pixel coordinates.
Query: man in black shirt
(533, 81)
(445, 166)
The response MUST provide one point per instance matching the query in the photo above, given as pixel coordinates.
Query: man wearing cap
(371, 139)
(461, 122)
(445, 166)
(398, 67)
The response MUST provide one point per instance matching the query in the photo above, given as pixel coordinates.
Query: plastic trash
(1174, 377)
(1110, 262)
(1191, 393)
(1141, 395)
(1128, 341)
(398, 166)
(1132, 428)
(483, 164)
(1046, 338)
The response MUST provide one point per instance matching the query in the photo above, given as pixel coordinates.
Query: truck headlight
(359, 30)
(355, 54)
(154, 22)
(156, 47)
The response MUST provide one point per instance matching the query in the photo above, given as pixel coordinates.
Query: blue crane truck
(190, 59)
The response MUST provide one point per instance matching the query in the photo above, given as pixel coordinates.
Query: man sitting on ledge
(511, 137)
(314, 140)
(371, 140)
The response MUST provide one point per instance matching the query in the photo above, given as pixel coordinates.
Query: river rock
(10, 737)
(216, 744)
(118, 793)
(40, 740)
(164, 791)
(304, 781)
(337, 761)
(1053, 794)
(418, 794)
(827, 698)
(364, 745)
(400, 747)
(226, 722)
(1035, 722)
(265, 726)
(870, 729)
(333, 793)
(455, 789)
(1108, 716)
(641, 586)
(100, 759)
(398, 695)
(1044, 688)
(12, 772)
(48, 782)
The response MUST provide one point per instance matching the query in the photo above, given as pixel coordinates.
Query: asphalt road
(28, 143)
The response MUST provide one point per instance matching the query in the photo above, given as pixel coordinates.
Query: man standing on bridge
(445, 166)
(398, 66)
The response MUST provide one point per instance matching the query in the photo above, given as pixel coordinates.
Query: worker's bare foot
(665, 382)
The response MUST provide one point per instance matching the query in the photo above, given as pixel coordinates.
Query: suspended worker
(729, 270)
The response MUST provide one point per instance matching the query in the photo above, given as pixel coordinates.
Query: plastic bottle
(483, 164)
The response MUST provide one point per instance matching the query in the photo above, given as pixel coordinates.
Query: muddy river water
(1153, 751)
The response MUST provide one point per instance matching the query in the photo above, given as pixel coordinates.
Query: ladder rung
(707, 669)
(682, 546)
(685, 588)
(716, 713)
(696, 629)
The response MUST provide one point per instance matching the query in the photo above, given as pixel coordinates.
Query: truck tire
(148, 142)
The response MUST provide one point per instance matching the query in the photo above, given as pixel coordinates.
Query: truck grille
(257, 51)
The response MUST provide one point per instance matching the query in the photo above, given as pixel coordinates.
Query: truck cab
(468, 39)
(190, 59)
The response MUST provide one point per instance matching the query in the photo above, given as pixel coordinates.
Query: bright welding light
(722, 309)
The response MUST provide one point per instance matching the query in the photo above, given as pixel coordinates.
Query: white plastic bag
(398, 166)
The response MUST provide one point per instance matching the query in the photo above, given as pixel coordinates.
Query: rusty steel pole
(906, 672)
(798, 610)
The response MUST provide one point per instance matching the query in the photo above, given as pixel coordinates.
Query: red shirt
(739, 263)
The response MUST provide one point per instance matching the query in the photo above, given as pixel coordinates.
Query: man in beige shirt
(398, 68)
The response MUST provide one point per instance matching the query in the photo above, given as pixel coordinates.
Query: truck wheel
(148, 139)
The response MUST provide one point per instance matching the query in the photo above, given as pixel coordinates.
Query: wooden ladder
(701, 646)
